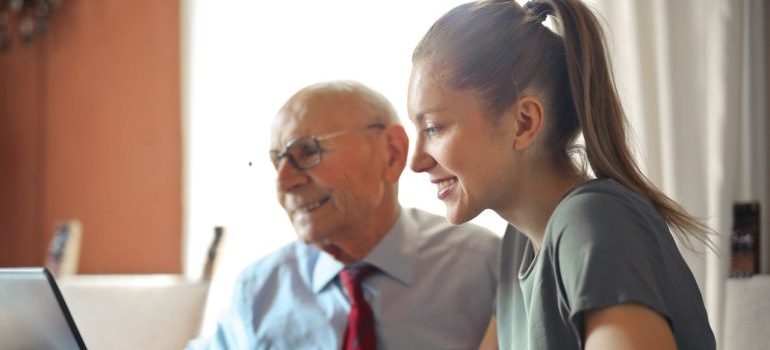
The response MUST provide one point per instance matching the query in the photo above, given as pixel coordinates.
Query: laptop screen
(34, 315)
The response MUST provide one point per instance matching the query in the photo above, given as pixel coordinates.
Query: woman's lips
(445, 186)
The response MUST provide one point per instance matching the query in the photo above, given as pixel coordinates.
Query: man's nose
(288, 177)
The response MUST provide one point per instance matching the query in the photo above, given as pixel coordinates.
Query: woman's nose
(421, 160)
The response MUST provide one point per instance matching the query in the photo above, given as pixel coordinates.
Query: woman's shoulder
(603, 209)
(601, 197)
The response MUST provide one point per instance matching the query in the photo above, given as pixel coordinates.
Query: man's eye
(307, 150)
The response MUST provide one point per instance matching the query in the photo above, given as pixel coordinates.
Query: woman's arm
(627, 326)
(490, 338)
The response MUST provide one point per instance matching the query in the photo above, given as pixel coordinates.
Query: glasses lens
(305, 152)
(275, 157)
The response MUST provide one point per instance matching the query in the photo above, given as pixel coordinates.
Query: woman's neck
(535, 200)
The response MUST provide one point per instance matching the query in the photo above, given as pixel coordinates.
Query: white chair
(747, 313)
(135, 311)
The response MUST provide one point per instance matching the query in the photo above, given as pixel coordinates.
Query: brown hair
(499, 49)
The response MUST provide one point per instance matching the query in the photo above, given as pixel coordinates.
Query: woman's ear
(397, 148)
(527, 114)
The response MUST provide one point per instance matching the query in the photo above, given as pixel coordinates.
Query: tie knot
(352, 276)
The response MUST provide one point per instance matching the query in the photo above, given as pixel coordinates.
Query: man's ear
(397, 145)
(527, 114)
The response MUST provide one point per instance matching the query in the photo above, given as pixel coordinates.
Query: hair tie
(538, 10)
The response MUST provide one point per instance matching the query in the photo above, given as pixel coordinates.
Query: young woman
(499, 101)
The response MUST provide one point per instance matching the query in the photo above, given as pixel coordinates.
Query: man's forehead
(318, 114)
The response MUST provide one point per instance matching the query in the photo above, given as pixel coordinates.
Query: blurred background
(137, 119)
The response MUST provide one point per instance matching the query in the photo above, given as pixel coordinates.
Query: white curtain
(691, 76)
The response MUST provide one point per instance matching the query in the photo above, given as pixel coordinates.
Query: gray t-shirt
(604, 245)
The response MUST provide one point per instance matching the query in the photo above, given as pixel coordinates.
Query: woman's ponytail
(601, 117)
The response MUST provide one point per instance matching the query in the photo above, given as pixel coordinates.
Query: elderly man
(367, 273)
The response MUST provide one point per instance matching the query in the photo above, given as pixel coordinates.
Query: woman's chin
(458, 216)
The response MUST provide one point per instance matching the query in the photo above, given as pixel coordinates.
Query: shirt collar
(324, 271)
(394, 255)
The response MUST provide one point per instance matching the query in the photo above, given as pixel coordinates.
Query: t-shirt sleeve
(607, 253)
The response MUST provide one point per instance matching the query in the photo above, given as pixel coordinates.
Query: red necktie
(359, 334)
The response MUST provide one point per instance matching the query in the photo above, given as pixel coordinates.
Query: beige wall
(766, 217)
(90, 129)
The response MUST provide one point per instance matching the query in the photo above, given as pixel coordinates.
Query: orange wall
(20, 170)
(90, 129)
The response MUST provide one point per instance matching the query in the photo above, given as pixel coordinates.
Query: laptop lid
(33, 314)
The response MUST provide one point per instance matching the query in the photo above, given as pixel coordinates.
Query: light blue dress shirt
(435, 289)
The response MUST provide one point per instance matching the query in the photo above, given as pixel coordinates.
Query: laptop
(33, 314)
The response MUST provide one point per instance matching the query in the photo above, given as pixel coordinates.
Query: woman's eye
(431, 130)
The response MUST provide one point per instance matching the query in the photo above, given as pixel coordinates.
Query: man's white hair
(381, 108)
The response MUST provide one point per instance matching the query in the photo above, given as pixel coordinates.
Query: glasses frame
(276, 156)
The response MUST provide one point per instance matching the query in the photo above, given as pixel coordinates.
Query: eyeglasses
(306, 152)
